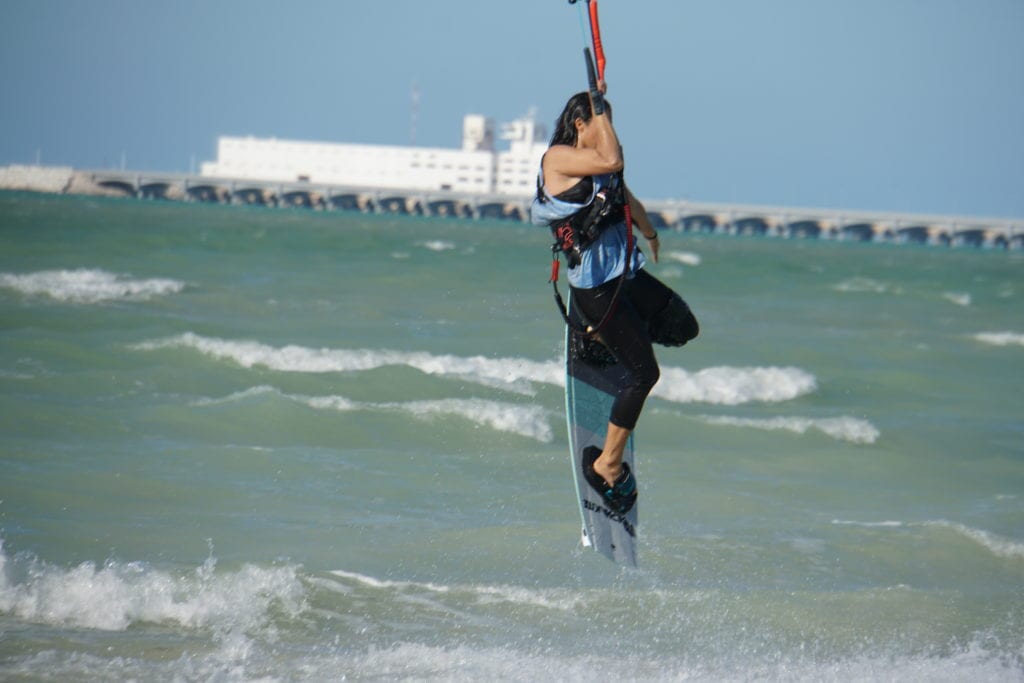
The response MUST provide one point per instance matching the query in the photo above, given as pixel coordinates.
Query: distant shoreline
(679, 215)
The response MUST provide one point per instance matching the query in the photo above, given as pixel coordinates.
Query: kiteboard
(590, 390)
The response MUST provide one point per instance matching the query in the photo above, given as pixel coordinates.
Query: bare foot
(610, 473)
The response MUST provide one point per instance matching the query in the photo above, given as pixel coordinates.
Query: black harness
(577, 232)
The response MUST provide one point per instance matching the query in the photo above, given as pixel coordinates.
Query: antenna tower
(414, 113)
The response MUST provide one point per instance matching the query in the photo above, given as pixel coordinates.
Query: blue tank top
(605, 258)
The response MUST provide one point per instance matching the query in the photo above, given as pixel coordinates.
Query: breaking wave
(849, 429)
(726, 385)
(958, 298)
(862, 285)
(438, 245)
(248, 354)
(720, 385)
(995, 544)
(88, 286)
(687, 258)
(548, 598)
(277, 623)
(525, 420)
(116, 595)
(1001, 338)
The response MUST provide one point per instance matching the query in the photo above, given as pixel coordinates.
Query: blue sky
(891, 105)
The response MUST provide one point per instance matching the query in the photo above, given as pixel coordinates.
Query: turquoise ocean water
(254, 444)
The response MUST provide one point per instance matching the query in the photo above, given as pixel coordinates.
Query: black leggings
(626, 335)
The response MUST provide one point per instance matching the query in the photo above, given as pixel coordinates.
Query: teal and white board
(589, 393)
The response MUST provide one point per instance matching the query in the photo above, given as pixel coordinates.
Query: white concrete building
(476, 168)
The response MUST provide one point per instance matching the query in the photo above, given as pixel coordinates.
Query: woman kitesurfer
(581, 196)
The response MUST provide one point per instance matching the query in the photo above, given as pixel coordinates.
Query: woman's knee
(675, 324)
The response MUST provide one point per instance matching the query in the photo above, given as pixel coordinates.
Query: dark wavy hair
(578, 107)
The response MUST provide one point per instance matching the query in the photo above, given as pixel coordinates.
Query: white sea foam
(724, 385)
(978, 661)
(727, 385)
(237, 396)
(687, 258)
(117, 595)
(862, 284)
(958, 298)
(1001, 338)
(850, 522)
(525, 420)
(387, 583)
(88, 286)
(849, 429)
(422, 662)
(507, 372)
(995, 544)
(438, 245)
(254, 624)
(552, 598)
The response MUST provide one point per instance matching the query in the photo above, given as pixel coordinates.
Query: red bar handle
(595, 32)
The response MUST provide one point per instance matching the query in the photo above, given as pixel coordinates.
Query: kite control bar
(596, 96)
(594, 74)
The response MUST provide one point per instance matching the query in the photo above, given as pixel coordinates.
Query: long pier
(680, 215)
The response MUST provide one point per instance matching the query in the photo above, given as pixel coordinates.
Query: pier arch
(350, 201)
(402, 205)
(971, 237)
(301, 199)
(205, 193)
(699, 222)
(502, 211)
(803, 229)
(253, 196)
(919, 234)
(751, 225)
(118, 187)
(449, 207)
(857, 232)
(156, 190)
